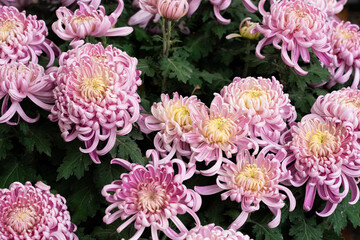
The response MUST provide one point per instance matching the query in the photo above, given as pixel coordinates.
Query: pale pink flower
(323, 153)
(88, 20)
(33, 212)
(212, 232)
(19, 81)
(171, 117)
(173, 9)
(148, 11)
(6, 2)
(251, 181)
(263, 101)
(218, 5)
(151, 196)
(220, 131)
(22, 38)
(342, 105)
(69, 2)
(331, 7)
(298, 26)
(95, 96)
(344, 39)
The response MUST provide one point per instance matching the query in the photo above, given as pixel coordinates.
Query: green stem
(246, 66)
(166, 30)
(164, 36)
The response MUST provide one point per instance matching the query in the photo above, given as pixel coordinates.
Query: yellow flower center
(251, 178)
(348, 34)
(93, 88)
(253, 97)
(219, 130)
(180, 114)
(321, 142)
(352, 102)
(151, 197)
(21, 219)
(9, 28)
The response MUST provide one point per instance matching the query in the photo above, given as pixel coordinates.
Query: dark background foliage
(199, 63)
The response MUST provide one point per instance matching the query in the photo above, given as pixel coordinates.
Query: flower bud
(245, 31)
(173, 9)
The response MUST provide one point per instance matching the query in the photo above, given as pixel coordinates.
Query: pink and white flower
(299, 26)
(215, 132)
(171, 117)
(342, 105)
(6, 2)
(23, 38)
(331, 7)
(151, 196)
(263, 101)
(95, 96)
(173, 9)
(88, 20)
(213, 232)
(344, 39)
(323, 154)
(32, 212)
(251, 181)
(148, 11)
(19, 81)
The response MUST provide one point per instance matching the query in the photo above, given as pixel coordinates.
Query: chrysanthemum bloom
(22, 38)
(171, 117)
(263, 101)
(220, 131)
(245, 31)
(251, 181)
(343, 105)
(88, 20)
(331, 7)
(298, 26)
(17, 82)
(151, 196)
(6, 2)
(28, 212)
(213, 232)
(69, 2)
(148, 11)
(324, 155)
(95, 97)
(173, 9)
(344, 39)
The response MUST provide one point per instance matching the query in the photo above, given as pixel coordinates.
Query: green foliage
(75, 163)
(303, 228)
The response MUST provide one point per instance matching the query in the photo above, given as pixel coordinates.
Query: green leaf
(105, 173)
(127, 148)
(199, 46)
(37, 138)
(344, 212)
(262, 231)
(145, 66)
(14, 171)
(303, 228)
(83, 202)
(179, 69)
(75, 163)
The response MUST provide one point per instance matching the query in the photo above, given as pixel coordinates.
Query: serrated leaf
(75, 163)
(303, 228)
(199, 46)
(179, 69)
(127, 148)
(344, 212)
(144, 65)
(14, 171)
(39, 139)
(262, 231)
(106, 173)
(82, 202)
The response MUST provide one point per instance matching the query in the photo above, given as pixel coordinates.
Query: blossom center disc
(321, 142)
(21, 218)
(9, 28)
(250, 178)
(151, 197)
(253, 98)
(219, 130)
(352, 102)
(181, 114)
(93, 88)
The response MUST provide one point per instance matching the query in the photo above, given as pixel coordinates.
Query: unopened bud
(173, 9)
(246, 31)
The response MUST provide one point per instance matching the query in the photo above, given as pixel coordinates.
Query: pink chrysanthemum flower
(17, 82)
(298, 26)
(324, 155)
(95, 97)
(220, 131)
(251, 181)
(263, 101)
(151, 196)
(69, 2)
(343, 105)
(28, 212)
(6, 2)
(88, 20)
(218, 5)
(212, 232)
(148, 11)
(331, 7)
(344, 39)
(22, 38)
(171, 117)
(173, 9)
